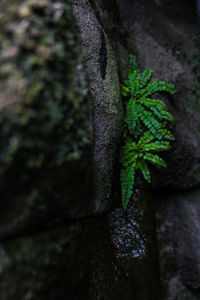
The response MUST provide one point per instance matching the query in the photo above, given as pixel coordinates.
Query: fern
(143, 112)
(140, 107)
(136, 156)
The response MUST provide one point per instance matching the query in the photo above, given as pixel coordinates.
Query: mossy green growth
(45, 127)
(145, 127)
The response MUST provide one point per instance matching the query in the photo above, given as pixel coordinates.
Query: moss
(45, 126)
(49, 122)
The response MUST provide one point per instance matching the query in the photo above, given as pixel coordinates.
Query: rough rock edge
(106, 96)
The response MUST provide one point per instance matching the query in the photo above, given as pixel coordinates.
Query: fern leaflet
(142, 112)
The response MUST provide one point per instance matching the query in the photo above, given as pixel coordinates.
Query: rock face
(61, 64)
(178, 227)
(104, 84)
(159, 41)
(164, 35)
(60, 129)
(60, 123)
(132, 234)
(74, 262)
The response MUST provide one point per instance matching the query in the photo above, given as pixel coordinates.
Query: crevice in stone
(103, 55)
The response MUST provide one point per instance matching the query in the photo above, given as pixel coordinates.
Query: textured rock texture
(60, 129)
(104, 84)
(46, 117)
(75, 262)
(178, 227)
(166, 44)
(164, 35)
(59, 133)
(61, 119)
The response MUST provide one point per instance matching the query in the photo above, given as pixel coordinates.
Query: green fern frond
(150, 122)
(131, 118)
(128, 159)
(127, 182)
(157, 86)
(156, 146)
(143, 113)
(167, 134)
(153, 102)
(135, 111)
(146, 143)
(132, 65)
(125, 90)
(154, 159)
(159, 112)
(140, 106)
(144, 78)
(134, 156)
(142, 165)
(146, 138)
(138, 130)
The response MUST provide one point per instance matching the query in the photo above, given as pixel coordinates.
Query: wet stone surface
(126, 233)
(132, 237)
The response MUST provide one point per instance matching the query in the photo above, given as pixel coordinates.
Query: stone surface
(60, 131)
(132, 233)
(46, 117)
(72, 262)
(178, 227)
(166, 44)
(104, 84)
(60, 134)
(164, 37)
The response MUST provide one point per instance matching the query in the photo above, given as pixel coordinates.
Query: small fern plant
(145, 122)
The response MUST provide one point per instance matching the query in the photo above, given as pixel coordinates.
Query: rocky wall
(59, 132)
